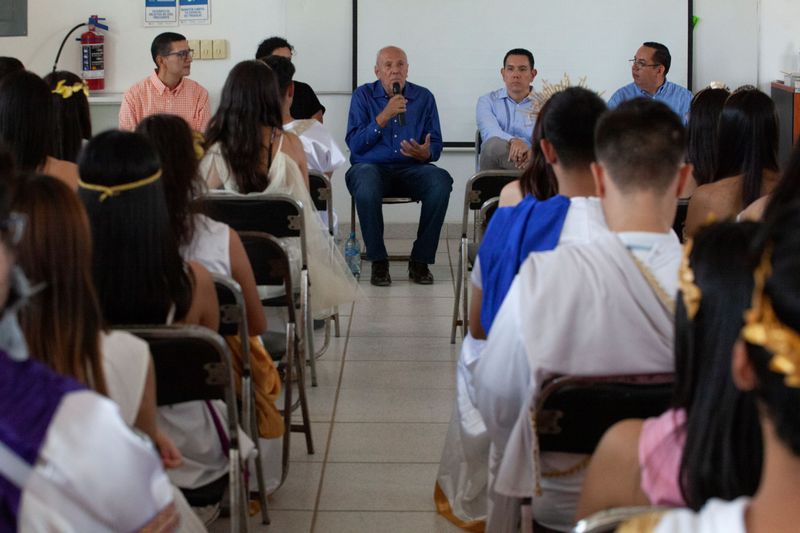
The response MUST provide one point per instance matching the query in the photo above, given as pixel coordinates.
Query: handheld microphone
(401, 117)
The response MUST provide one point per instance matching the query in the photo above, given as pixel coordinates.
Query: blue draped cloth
(514, 232)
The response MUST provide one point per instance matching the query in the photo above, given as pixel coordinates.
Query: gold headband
(116, 189)
(763, 328)
(67, 91)
(689, 290)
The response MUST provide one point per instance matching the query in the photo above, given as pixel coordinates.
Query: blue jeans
(369, 183)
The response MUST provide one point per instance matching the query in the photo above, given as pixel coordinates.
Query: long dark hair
(138, 271)
(722, 454)
(250, 102)
(26, 119)
(538, 178)
(787, 191)
(748, 140)
(702, 151)
(172, 138)
(73, 124)
(62, 323)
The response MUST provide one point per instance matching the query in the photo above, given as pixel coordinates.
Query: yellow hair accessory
(763, 328)
(689, 290)
(116, 189)
(198, 140)
(67, 91)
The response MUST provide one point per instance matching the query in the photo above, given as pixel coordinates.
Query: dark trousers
(369, 183)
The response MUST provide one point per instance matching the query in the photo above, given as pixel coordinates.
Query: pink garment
(660, 451)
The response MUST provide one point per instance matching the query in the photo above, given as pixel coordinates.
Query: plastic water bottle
(352, 254)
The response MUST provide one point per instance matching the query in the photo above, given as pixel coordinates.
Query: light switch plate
(206, 49)
(220, 48)
(194, 44)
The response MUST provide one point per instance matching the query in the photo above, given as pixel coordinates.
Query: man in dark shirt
(305, 104)
(393, 134)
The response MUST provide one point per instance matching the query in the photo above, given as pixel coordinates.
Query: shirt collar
(503, 93)
(161, 88)
(410, 90)
(658, 91)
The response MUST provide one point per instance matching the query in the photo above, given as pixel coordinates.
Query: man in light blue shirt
(649, 69)
(504, 116)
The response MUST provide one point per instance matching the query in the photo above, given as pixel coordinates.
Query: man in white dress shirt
(592, 309)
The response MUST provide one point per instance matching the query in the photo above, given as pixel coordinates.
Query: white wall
(736, 41)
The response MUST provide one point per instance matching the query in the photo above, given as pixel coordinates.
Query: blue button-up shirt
(369, 143)
(498, 115)
(676, 97)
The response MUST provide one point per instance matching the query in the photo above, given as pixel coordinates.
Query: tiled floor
(380, 413)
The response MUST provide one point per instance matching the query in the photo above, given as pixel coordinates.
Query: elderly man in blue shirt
(393, 134)
(505, 118)
(649, 69)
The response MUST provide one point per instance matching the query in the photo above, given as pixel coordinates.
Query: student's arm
(204, 310)
(475, 326)
(146, 421)
(242, 272)
(487, 121)
(293, 147)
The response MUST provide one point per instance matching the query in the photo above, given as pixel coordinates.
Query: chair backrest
(191, 363)
(483, 186)
(232, 319)
(270, 263)
(320, 187)
(487, 210)
(680, 217)
(572, 413)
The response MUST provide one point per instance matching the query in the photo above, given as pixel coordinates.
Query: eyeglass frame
(639, 64)
(183, 54)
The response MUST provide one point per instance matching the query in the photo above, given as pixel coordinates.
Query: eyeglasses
(12, 228)
(183, 54)
(640, 63)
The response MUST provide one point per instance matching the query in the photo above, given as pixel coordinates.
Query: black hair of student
(702, 146)
(249, 103)
(73, 123)
(661, 56)
(26, 119)
(569, 125)
(162, 43)
(519, 52)
(538, 178)
(787, 191)
(271, 44)
(722, 453)
(172, 138)
(642, 144)
(138, 271)
(283, 69)
(7, 165)
(747, 140)
(782, 235)
(9, 65)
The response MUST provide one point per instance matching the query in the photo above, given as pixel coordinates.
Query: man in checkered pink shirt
(167, 90)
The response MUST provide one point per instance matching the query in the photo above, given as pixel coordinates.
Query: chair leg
(305, 427)
(327, 340)
(291, 355)
(336, 330)
(262, 486)
(458, 298)
(308, 326)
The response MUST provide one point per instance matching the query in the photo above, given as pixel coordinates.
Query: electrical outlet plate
(206, 49)
(220, 48)
(194, 44)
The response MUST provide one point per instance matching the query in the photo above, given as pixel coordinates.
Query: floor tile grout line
(332, 421)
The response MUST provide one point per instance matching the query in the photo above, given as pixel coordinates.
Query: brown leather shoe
(380, 274)
(419, 273)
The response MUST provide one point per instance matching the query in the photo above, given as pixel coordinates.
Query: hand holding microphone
(401, 116)
(395, 107)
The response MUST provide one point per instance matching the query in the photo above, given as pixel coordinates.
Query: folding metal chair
(281, 216)
(387, 200)
(481, 187)
(193, 363)
(478, 143)
(233, 322)
(271, 267)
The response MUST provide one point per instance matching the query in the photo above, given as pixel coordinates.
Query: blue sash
(513, 233)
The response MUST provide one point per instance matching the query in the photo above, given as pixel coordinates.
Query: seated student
(786, 192)
(248, 152)
(26, 127)
(599, 308)
(747, 166)
(73, 124)
(63, 449)
(765, 365)
(569, 118)
(687, 455)
(702, 149)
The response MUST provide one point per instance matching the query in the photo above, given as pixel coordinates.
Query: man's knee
(364, 181)
(494, 153)
(439, 183)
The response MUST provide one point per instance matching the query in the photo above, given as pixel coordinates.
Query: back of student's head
(138, 271)
(162, 44)
(772, 330)
(787, 191)
(73, 124)
(723, 441)
(9, 65)
(748, 140)
(642, 144)
(62, 321)
(172, 138)
(702, 132)
(8, 167)
(26, 118)
(538, 178)
(283, 69)
(249, 102)
(270, 44)
(569, 125)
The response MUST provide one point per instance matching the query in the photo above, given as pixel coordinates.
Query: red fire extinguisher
(93, 55)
